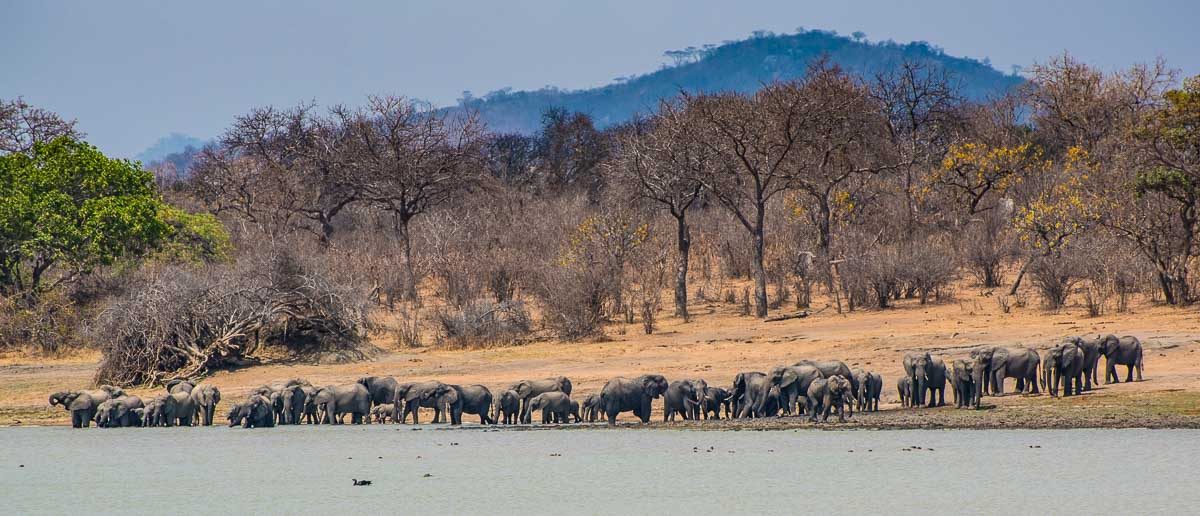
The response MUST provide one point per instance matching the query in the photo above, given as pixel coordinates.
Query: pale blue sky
(131, 72)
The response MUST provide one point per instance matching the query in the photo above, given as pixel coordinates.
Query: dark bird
(358, 482)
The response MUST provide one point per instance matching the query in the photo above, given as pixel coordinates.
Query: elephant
(83, 404)
(526, 389)
(998, 363)
(830, 368)
(740, 395)
(963, 379)
(382, 388)
(382, 413)
(152, 414)
(904, 389)
(793, 382)
(860, 399)
(1126, 351)
(256, 412)
(555, 406)
(758, 401)
(714, 399)
(334, 401)
(508, 407)
(574, 411)
(592, 408)
(294, 404)
(1063, 363)
(824, 394)
(470, 399)
(1091, 359)
(119, 412)
(927, 373)
(205, 397)
(178, 407)
(874, 388)
(622, 394)
(683, 397)
(413, 398)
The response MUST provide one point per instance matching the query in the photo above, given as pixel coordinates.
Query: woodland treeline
(1080, 184)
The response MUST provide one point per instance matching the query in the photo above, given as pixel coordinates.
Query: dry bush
(928, 268)
(49, 327)
(483, 323)
(1055, 278)
(573, 300)
(987, 246)
(650, 269)
(180, 322)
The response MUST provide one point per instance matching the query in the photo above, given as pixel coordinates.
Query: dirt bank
(717, 344)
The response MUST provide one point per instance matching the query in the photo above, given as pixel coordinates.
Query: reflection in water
(309, 469)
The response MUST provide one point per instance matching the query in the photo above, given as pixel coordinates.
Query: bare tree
(413, 159)
(665, 159)
(22, 125)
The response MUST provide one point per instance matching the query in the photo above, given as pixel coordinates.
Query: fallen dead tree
(180, 323)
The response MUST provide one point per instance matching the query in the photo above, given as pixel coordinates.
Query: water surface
(471, 471)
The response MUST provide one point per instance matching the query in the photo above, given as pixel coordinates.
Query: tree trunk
(684, 241)
(760, 271)
(410, 286)
(1020, 275)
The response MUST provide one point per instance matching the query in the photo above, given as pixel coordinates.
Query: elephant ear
(789, 377)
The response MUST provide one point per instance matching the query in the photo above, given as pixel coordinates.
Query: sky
(132, 72)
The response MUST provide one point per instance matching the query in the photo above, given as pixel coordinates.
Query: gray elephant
(457, 400)
(335, 401)
(555, 406)
(178, 407)
(830, 368)
(293, 401)
(998, 363)
(83, 404)
(1091, 359)
(714, 399)
(683, 397)
(904, 390)
(412, 397)
(119, 412)
(205, 397)
(793, 382)
(152, 414)
(382, 413)
(1126, 351)
(382, 388)
(256, 412)
(964, 381)
(927, 374)
(622, 394)
(526, 389)
(508, 407)
(1063, 363)
(826, 394)
(740, 392)
(874, 389)
(592, 408)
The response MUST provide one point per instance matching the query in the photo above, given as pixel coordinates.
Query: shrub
(483, 322)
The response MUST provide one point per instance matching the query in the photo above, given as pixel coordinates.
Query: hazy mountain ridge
(734, 66)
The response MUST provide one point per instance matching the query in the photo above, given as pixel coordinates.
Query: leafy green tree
(66, 208)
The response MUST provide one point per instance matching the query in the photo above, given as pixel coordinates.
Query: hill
(734, 66)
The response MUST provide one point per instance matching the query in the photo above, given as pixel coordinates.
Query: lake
(596, 471)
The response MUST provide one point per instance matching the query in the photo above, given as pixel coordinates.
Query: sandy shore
(717, 344)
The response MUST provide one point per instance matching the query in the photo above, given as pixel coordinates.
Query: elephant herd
(1073, 363)
(184, 404)
(815, 389)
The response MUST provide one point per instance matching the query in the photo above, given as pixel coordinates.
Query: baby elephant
(904, 387)
(555, 406)
(383, 413)
(508, 407)
(826, 393)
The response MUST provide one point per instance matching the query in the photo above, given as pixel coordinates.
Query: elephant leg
(1129, 374)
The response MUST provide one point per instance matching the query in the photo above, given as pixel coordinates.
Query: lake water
(309, 469)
